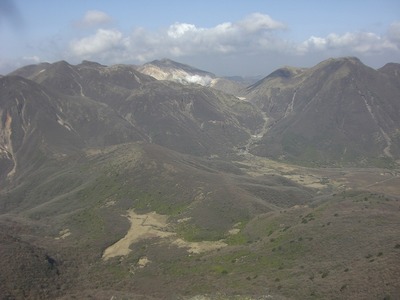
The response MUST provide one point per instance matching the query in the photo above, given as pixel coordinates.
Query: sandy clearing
(142, 226)
(153, 225)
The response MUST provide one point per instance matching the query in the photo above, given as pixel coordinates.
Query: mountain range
(163, 181)
(338, 112)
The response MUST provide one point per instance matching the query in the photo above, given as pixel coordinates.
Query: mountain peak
(169, 64)
(340, 61)
(167, 69)
(88, 63)
(284, 73)
(61, 63)
(166, 61)
(349, 59)
(392, 69)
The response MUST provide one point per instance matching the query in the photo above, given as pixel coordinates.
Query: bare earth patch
(142, 226)
(143, 261)
(154, 225)
(63, 234)
(199, 247)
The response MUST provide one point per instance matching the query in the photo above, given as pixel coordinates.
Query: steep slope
(336, 113)
(37, 123)
(31, 126)
(193, 120)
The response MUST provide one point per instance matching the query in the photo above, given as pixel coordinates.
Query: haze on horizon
(226, 38)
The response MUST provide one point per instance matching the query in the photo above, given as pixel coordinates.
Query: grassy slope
(345, 248)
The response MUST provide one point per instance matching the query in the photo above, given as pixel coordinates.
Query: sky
(243, 37)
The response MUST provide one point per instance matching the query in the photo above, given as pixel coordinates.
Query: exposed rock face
(167, 69)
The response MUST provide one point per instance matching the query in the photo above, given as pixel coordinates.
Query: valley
(336, 179)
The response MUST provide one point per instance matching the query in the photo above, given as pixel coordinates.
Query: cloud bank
(103, 42)
(255, 35)
(255, 44)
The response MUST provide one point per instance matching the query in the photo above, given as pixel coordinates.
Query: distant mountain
(246, 80)
(229, 86)
(393, 72)
(167, 69)
(170, 70)
(336, 113)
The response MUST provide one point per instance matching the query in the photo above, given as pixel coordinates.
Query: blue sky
(251, 37)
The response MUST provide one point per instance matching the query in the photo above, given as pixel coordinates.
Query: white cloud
(202, 80)
(354, 42)
(31, 59)
(102, 41)
(95, 18)
(178, 30)
(257, 21)
(394, 33)
(249, 33)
